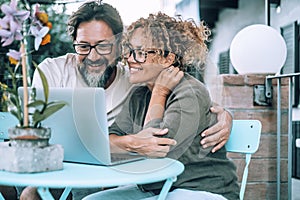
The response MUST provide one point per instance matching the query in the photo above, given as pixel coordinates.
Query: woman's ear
(169, 60)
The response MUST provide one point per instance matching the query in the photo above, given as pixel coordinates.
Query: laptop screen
(81, 126)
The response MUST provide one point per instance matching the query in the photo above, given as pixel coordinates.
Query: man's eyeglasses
(139, 55)
(101, 49)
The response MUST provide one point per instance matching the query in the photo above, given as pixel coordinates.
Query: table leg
(1, 197)
(166, 188)
(45, 193)
(65, 194)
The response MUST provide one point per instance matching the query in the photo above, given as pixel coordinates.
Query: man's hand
(218, 134)
(146, 142)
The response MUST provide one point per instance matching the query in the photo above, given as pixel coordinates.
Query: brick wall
(238, 95)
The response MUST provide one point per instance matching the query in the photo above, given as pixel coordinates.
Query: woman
(150, 47)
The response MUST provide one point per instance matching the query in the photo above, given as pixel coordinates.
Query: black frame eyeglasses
(85, 49)
(139, 55)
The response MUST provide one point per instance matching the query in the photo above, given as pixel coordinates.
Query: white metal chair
(244, 138)
(7, 120)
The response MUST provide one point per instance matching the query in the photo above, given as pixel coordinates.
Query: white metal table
(84, 176)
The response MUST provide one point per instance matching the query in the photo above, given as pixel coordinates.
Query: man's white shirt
(63, 72)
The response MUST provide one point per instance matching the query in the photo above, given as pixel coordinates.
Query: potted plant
(28, 149)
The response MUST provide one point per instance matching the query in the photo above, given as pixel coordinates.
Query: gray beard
(92, 80)
(96, 80)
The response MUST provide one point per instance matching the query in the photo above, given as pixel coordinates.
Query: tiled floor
(295, 189)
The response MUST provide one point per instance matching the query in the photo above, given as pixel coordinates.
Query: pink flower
(11, 23)
(8, 36)
(38, 35)
(12, 14)
(14, 54)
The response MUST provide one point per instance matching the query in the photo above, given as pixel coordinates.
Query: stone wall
(238, 95)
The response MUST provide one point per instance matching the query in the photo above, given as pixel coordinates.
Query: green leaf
(57, 102)
(53, 108)
(38, 117)
(36, 103)
(18, 116)
(45, 83)
(11, 91)
(14, 100)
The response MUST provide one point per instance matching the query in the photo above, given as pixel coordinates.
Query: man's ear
(169, 60)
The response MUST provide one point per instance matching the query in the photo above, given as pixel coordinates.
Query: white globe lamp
(258, 49)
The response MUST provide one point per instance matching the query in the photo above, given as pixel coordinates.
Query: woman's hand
(167, 80)
(163, 86)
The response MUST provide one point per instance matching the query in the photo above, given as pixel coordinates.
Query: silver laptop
(81, 127)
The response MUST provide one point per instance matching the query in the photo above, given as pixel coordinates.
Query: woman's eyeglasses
(139, 55)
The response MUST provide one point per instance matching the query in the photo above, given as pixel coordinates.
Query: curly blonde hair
(182, 37)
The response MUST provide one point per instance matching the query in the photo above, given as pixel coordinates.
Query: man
(96, 30)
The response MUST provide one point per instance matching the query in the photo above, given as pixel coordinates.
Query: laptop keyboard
(120, 158)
